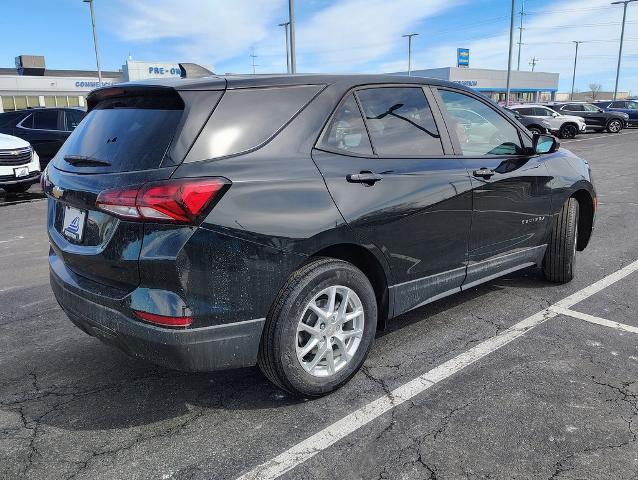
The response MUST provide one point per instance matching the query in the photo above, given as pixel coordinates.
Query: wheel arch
(371, 266)
(586, 209)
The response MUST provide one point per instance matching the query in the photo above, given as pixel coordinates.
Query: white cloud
(548, 36)
(352, 33)
(342, 36)
(201, 30)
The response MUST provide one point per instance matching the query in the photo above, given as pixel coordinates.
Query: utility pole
(622, 37)
(509, 54)
(533, 62)
(253, 56)
(97, 55)
(285, 25)
(409, 37)
(571, 95)
(520, 35)
(291, 21)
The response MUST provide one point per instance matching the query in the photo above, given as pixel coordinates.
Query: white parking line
(608, 136)
(597, 320)
(323, 439)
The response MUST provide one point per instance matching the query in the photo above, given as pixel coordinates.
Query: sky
(336, 36)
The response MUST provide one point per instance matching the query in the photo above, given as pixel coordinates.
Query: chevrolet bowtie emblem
(57, 192)
(15, 152)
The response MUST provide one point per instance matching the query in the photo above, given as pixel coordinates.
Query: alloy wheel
(615, 126)
(329, 331)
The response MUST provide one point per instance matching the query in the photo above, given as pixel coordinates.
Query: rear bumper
(33, 177)
(216, 347)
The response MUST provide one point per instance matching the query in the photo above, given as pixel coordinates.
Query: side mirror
(555, 114)
(545, 144)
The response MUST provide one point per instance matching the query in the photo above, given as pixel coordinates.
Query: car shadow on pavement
(34, 193)
(83, 384)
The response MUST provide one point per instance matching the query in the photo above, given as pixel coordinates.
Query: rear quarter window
(247, 118)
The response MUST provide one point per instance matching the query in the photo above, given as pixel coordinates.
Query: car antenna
(193, 70)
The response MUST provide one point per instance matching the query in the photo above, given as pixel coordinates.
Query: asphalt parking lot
(517, 378)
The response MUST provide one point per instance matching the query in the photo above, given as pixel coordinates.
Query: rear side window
(72, 119)
(346, 130)
(129, 133)
(542, 112)
(574, 107)
(400, 121)
(45, 120)
(525, 111)
(246, 118)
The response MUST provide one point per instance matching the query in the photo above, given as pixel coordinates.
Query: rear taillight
(184, 200)
(165, 321)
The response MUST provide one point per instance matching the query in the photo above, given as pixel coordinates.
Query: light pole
(520, 35)
(622, 37)
(97, 55)
(291, 21)
(571, 95)
(509, 55)
(409, 37)
(285, 25)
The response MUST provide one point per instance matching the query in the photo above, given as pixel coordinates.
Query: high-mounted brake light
(165, 321)
(183, 200)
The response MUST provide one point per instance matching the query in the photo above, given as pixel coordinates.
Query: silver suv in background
(565, 126)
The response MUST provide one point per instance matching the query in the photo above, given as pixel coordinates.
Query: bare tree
(594, 90)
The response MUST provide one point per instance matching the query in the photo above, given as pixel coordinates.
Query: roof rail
(192, 70)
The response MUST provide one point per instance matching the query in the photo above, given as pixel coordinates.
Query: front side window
(45, 120)
(400, 121)
(632, 105)
(346, 130)
(480, 129)
(590, 108)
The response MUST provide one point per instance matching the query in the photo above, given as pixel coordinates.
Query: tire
(558, 264)
(18, 188)
(568, 131)
(614, 125)
(283, 340)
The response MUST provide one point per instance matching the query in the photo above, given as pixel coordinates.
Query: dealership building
(524, 86)
(31, 84)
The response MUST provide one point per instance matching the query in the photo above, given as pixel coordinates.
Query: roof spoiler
(192, 70)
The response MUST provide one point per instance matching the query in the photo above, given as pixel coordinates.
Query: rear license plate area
(73, 223)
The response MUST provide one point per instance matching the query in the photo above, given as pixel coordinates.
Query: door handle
(483, 172)
(369, 178)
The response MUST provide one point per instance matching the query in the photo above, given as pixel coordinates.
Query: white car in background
(19, 164)
(565, 126)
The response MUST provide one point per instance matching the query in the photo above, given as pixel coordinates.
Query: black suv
(45, 129)
(595, 117)
(280, 220)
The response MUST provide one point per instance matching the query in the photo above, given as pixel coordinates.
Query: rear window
(247, 118)
(127, 133)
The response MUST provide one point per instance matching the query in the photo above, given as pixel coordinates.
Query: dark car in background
(46, 129)
(595, 117)
(224, 222)
(630, 107)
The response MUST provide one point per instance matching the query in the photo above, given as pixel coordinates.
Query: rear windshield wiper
(77, 160)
